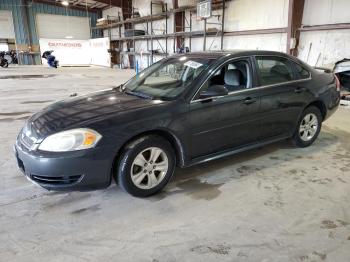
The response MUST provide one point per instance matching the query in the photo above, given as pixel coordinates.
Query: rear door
(229, 121)
(284, 95)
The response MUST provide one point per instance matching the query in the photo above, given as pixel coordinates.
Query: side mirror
(213, 91)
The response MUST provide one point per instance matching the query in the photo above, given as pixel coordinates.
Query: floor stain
(83, 210)
(249, 169)
(218, 249)
(331, 234)
(67, 199)
(7, 120)
(344, 169)
(198, 189)
(37, 101)
(343, 223)
(26, 76)
(193, 187)
(15, 113)
(328, 224)
(321, 181)
(293, 171)
(10, 119)
(341, 180)
(320, 255)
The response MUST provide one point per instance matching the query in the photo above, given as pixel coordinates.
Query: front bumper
(80, 170)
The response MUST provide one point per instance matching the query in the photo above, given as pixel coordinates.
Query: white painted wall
(240, 16)
(61, 26)
(318, 12)
(274, 42)
(324, 48)
(4, 47)
(6, 25)
(249, 15)
(112, 12)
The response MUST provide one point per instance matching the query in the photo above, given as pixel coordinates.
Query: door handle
(249, 101)
(299, 89)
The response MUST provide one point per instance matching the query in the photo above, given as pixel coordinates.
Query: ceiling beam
(76, 7)
(117, 3)
(77, 2)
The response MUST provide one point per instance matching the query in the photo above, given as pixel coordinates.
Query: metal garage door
(6, 25)
(60, 27)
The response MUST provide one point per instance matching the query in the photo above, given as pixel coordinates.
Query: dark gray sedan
(181, 111)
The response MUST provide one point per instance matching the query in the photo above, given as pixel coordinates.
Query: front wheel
(308, 128)
(146, 166)
(5, 64)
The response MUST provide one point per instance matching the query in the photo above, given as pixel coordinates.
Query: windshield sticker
(193, 64)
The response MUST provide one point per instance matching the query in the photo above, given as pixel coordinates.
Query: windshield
(166, 79)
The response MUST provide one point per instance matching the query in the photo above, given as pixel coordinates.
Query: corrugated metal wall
(24, 24)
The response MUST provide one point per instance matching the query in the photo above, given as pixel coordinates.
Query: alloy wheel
(149, 168)
(308, 127)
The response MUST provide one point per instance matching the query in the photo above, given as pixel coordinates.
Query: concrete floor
(277, 203)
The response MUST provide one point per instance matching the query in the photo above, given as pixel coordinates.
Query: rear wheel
(146, 166)
(309, 127)
(8, 58)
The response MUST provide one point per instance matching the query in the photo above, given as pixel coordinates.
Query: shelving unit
(136, 20)
(150, 35)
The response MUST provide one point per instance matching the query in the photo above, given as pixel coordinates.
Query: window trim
(289, 62)
(258, 87)
(303, 67)
(248, 58)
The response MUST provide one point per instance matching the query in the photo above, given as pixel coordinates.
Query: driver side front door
(226, 122)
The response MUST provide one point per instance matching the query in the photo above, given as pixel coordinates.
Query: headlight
(70, 140)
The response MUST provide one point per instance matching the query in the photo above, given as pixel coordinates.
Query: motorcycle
(3, 60)
(51, 60)
(11, 57)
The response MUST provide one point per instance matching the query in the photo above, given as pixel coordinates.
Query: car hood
(79, 111)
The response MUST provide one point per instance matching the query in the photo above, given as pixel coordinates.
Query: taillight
(337, 83)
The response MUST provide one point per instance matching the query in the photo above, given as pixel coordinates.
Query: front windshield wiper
(133, 93)
(138, 94)
(118, 88)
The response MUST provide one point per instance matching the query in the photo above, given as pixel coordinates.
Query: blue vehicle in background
(51, 59)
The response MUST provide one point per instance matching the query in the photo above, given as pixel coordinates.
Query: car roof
(231, 53)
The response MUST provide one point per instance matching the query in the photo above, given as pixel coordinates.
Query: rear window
(274, 70)
(302, 72)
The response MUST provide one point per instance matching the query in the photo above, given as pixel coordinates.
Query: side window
(274, 70)
(235, 75)
(302, 72)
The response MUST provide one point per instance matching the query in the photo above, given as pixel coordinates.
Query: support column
(295, 17)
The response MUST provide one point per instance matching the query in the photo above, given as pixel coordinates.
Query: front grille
(56, 180)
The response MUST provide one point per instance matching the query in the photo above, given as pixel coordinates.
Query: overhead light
(68, 37)
(65, 3)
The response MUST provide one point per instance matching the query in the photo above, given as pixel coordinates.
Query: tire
(5, 64)
(309, 127)
(137, 174)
